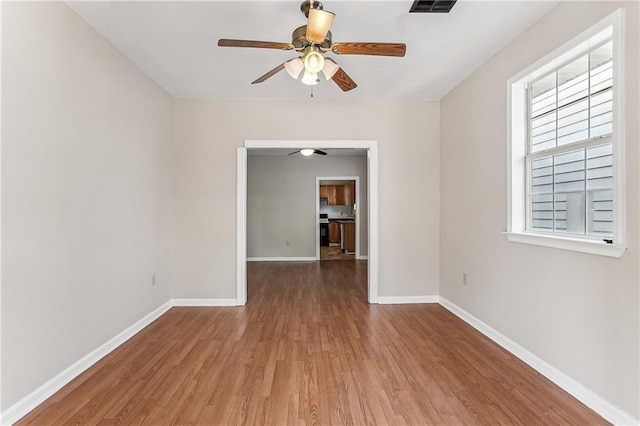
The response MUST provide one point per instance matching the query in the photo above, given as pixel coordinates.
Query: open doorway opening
(372, 204)
(338, 210)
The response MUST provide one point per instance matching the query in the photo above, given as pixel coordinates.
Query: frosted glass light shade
(318, 25)
(310, 79)
(314, 62)
(306, 152)
(294, 67)
(330, 68)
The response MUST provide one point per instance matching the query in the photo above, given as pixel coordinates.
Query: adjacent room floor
(334, 253)
(309, 349)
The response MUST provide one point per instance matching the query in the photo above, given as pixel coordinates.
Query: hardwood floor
(308, 349)
(334, 253)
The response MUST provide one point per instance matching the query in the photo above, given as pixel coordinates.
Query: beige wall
(281, 202)
(85, 173)
(576, 311)
(206, 135)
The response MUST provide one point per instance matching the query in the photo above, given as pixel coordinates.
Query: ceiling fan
(312, 41)
(308, 151)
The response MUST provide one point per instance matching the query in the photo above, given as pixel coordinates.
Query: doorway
(337, 199)
(372, 199)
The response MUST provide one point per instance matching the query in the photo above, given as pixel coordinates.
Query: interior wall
(281, 202)
(578, 312)
(207, 134)
(86, 139)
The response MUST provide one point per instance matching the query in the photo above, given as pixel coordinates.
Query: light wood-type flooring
(308, 349)
(334, 253)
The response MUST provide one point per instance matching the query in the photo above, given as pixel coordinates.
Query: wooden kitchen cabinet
(323, 191)
(349, 193)
(330, 193)
(339, 195)
(349, 243)
(334, 232)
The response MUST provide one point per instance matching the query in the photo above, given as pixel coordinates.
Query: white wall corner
(583, 394)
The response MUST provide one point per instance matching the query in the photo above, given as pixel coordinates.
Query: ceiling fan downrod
(310, 4)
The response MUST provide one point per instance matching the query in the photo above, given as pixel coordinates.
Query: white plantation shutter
(570, 152)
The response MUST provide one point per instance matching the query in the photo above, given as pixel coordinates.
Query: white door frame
(241, 207)
(357, 218)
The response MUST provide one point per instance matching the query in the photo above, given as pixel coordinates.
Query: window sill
(568, 243)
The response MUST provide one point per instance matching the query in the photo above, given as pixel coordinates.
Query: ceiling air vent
(432, 6)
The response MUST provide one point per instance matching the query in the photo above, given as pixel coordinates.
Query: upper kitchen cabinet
(349, 193)
(339, 195)
(323, 191)
(330, 193)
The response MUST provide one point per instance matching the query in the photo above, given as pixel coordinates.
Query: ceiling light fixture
(310, 79)
(330, 68)
(313, 60)
(294, 67)
(318, 25)
(307, 152)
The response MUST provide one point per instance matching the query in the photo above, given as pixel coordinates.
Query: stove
(324, 229)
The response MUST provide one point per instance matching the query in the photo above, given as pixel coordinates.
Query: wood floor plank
(307, 349)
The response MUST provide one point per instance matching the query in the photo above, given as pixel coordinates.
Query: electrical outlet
(153, 279)
(464, 278)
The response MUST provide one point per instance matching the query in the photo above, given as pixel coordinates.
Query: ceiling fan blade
(294, 152)
(269, 74)
(377, 49)
(225, 42)
(342, 79)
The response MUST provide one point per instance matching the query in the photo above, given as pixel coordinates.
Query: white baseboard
(583, 394)
(35, 398)
(204, 302)
(401, 300)
(363, 257)
(281, 259)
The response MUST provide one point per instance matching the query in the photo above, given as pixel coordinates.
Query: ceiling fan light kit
(307, 152)
(313, 41)
(330, 68)
(310, 79)
(313, 60)
(294, 67)
(318, 26)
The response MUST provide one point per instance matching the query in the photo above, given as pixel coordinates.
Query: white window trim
(517, 140)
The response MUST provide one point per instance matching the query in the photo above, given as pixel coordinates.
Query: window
(566, 146)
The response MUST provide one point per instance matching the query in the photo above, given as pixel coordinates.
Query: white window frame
(517, 140)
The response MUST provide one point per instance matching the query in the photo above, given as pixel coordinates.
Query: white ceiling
(175, 42)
